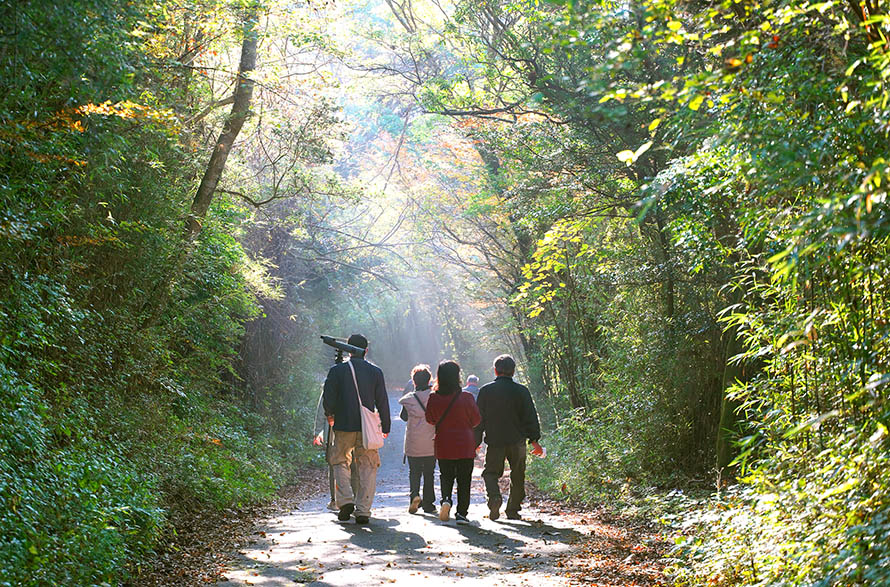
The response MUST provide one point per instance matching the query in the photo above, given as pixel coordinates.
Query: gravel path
(309, 546)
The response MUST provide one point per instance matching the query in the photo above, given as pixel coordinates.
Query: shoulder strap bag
(405, 447)
(422, 407)
(372, 433)
(448, 409)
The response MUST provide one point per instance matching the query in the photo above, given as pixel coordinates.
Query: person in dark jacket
(341, 406)
(454, 414)
(509, 419)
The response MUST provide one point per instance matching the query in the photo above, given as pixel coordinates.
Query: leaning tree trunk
(157, 300)
(240, 110)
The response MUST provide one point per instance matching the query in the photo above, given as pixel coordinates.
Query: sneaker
(461, 519)
(415, 503)
(444, 511)
(513, 516)
(345, 512)
(362, 519)
(494, 510)
(332, 506)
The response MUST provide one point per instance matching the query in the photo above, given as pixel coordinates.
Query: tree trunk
(240, 110)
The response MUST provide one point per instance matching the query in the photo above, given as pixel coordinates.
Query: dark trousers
(494, 469)
(423, 467)
(462, 470)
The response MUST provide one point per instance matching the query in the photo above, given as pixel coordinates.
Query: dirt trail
(309, 546)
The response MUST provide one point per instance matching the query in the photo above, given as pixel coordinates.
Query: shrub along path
(550, 546)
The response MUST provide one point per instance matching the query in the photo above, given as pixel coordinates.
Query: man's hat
(358, 340)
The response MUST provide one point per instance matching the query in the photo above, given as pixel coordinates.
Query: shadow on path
(310, 546)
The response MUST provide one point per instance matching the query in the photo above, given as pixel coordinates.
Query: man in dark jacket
(509, 419)
(342, 410)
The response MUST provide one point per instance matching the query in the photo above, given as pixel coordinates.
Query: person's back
(455, 415)
(454, 436)
(472, 386)
(341, 406)
(419, 441)
(340, 394)
(508, 413)
(508, 419)
(419, 433)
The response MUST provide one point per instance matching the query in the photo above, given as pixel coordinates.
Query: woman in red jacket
(455, 415)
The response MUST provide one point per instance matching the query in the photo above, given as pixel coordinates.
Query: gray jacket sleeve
(321, 421)
(331, 394)
(382, 402)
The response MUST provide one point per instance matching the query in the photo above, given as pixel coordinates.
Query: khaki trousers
(348, 447)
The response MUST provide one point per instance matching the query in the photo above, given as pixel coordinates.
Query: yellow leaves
(127, 110)
(733, 63)
(75, 240)
(72, 120)
(696, 103)
(629, 157)
(876, 438)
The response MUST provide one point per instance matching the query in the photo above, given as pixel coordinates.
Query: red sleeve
(473, 412)
(432, 412)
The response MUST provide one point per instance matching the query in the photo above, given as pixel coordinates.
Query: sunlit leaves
(629, 157)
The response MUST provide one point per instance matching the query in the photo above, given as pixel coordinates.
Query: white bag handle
(354, 382)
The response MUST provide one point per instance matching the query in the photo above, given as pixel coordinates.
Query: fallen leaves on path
(611, 551)
(614, 550)
(606, 549)
(197, 548)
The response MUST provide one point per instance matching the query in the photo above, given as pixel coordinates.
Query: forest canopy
(673, 213)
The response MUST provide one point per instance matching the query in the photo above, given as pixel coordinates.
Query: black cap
(358, 340)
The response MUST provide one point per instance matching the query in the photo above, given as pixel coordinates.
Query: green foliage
(118, 340)
(708, 257)
(74, 512)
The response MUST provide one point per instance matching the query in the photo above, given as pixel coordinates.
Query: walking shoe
(444, 511)
(332, 506)
(345, 512)
(513, 516)
(415, 503)
(461, 519)
(494, 510)
(362, 519)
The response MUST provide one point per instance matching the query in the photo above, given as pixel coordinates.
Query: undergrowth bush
(827, 527)
(73, 513)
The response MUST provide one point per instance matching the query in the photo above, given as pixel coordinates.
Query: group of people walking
(446, 425)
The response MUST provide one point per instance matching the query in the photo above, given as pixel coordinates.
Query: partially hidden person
(454, 414)
(419, 448)
(323, 437)
(472, 386)
(341, 406)
(509, 421)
